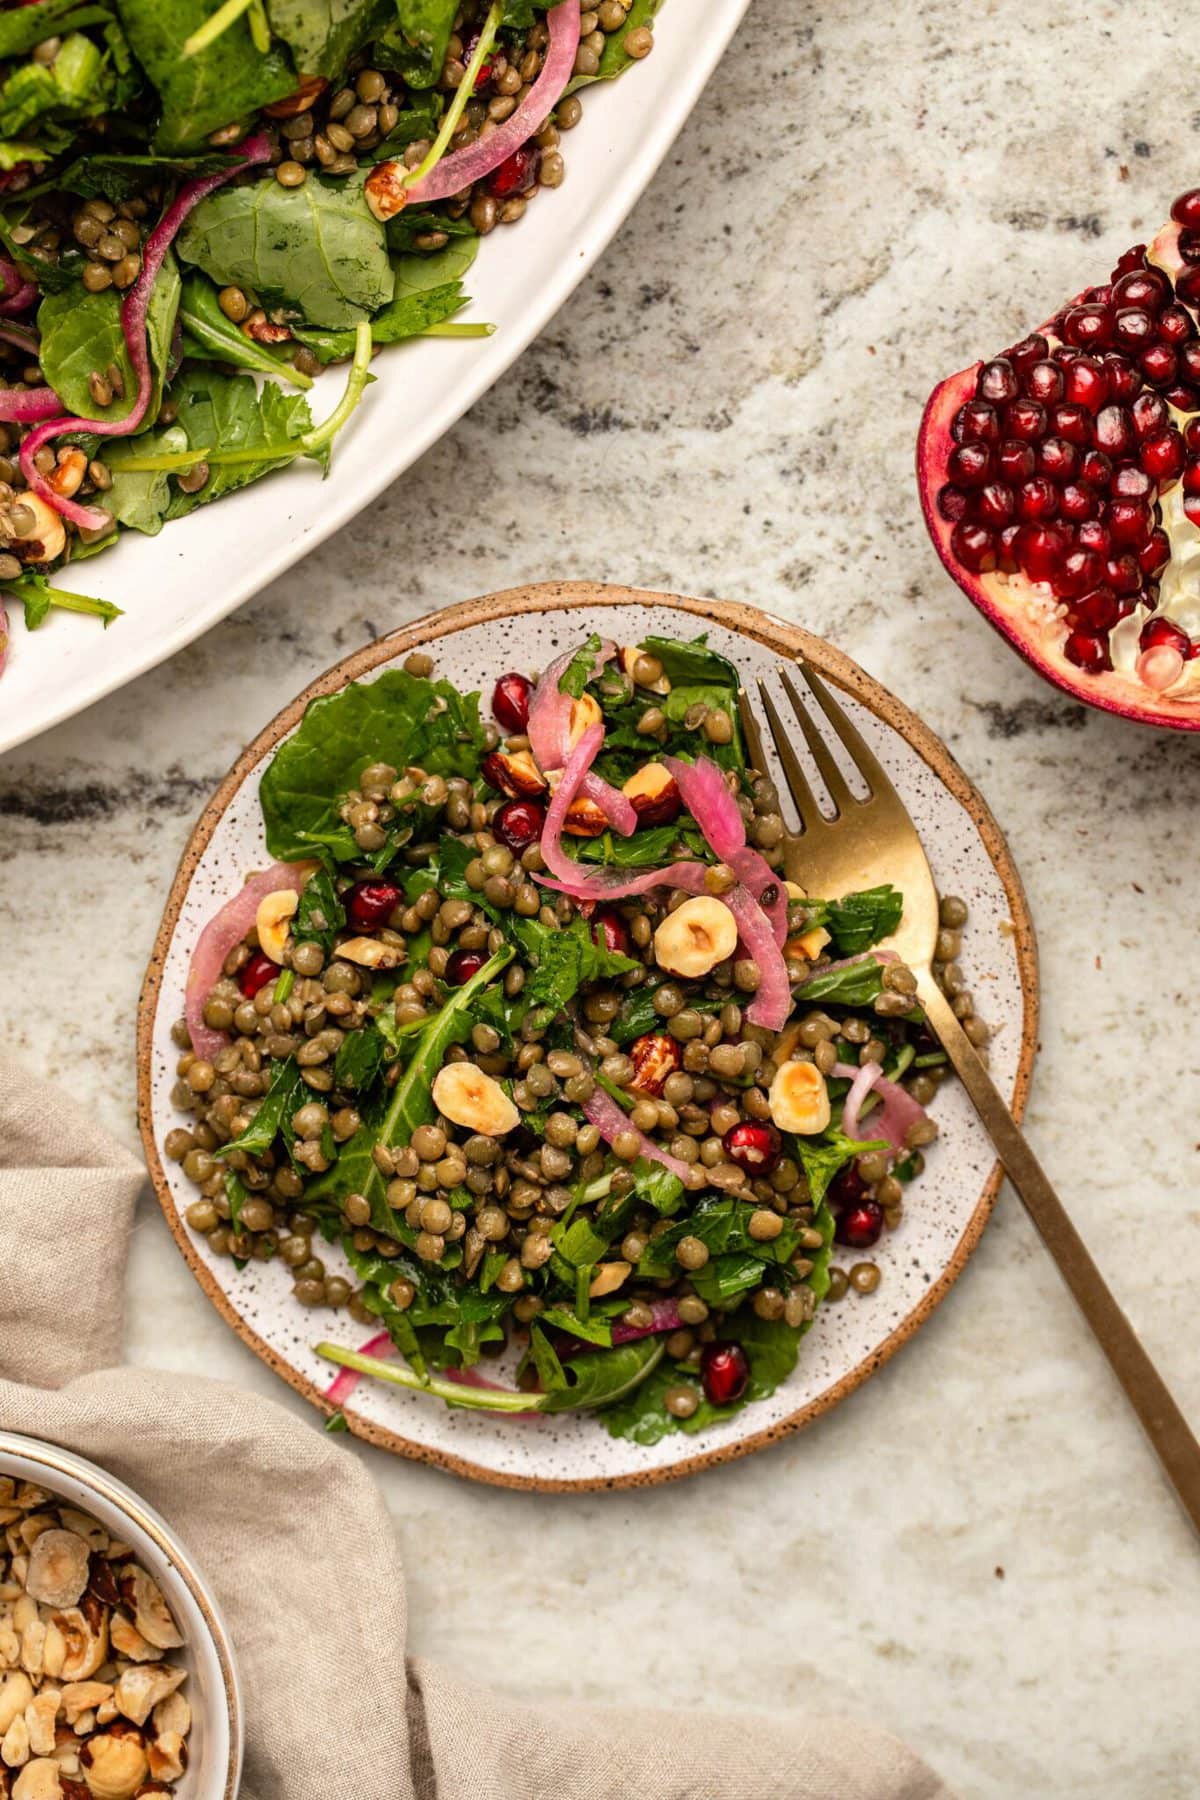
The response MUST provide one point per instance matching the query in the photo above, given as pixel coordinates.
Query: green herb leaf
(38, 597)
(600, 1378)
(208, 333)
(615, 58)
(320, 914)
(278, 1105)
(855, 985)
(859, 920)
(317, 247)
(400, 718)
(323, 35)
(406, 316)
(822, 1157)
(360, 1057)
(229, 80)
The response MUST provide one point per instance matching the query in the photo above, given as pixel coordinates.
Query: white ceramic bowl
(215, 1740)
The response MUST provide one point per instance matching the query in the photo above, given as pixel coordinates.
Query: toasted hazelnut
(472, 1099)
(67, 476)
(151, 1613)
(585, 712)
(799, 1099)
(128, 1641)
(655, 795)
(608, 1278)
(584, 818)
(173, 1715)
(167, 1756)
(695, 937)
(86, 1648)
(80, 1697)
(385, 189)
(58, 1568)
(139, 1690)
(311, 88)
(16, 1691)
(38, 1780)
(114, 1767)
(46, 538)
(514, 772)
(654, 1056)
(271, 921)
(808, 943)
(372, 953)
(40, 1716)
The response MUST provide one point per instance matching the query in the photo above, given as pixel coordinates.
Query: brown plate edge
(777, 635)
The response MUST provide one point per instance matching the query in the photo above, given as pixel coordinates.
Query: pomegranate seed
(1122, 575)
(370, 904)
(1097, 610)
(1191, 506)
(860, 1225)
(974, 546)
(753, 1146)
(953, 502)
(1114, 430)
(516, 175)
(256, 973)
(976, 423)
(1057, 458)
(998, 381)
(1132, 259)
(1096, 468)
(1134, 328)
(1124, 380)
(1073, 423)
(1025, 419)
(1191, 475)
(1163, 631)
(518, 823)
(1015, 460)
(1076, 502)
(1100, 296)
(1006, 556)
(485, 68)
(995, 504)
(1129, 522)
(1164, 456)
(1088, 651)
(1078, 571)
(1040, 549)
(1044, 382)
(1187, 285)
(510, 702)
(1183, 398)
(1159, 364)
(1148, 289)
(1030, 350)
(1175, 326)
(1155, 554)
(969, 465)
(1037, 499)
(610, 931)
(1090, 327)
(1189, 362)
(1186, 210)
(1092, 535)
(724, 1373)
(1086, 384)
(1149, 414)
(462, 965)
(1131, 483)
(1189, 246)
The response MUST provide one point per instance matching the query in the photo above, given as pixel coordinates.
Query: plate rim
(775, 634)
(580, 253)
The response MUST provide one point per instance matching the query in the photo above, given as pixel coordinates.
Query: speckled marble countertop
(976, 1549)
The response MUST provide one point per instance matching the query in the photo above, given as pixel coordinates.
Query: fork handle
(1164, 1424)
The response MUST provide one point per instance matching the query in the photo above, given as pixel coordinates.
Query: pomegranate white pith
(1061, 485)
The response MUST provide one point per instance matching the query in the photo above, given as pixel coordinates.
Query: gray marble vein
(977, 1549)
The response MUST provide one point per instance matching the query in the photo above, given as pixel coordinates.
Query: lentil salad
(479, 1028)
(203, 207)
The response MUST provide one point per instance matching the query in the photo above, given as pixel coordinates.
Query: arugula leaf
(323, 35)
(822, 1157)
(360, 1057)
(407, 316)
(410, 1103)
(577, 673)
(591, 1331)
(237, 1194)
(857, 921)
(855, 985)
(81, 332)
(320, 914)
(317, 247)
(722, 1224)
(418, 38)
(550, 1372)
(600, 1378)
(231, 79)
(23, 28)
(637, 1015)
(277, 1108)
(400, 718)
(140, 501)
(53, 98)
(208, 333)
(118, 176)
(565, 961)
(38, 597)
(416, 274)
(645, 849)
(229, 410)
(404, 228)
(772, 1349)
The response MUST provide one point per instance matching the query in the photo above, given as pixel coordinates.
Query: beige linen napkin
(334, 1711)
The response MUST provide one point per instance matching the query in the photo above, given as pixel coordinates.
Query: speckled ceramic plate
(947, 1210)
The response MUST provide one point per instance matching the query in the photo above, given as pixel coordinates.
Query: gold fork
(870, 841)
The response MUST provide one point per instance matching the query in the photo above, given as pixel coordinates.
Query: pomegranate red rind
(221, 935)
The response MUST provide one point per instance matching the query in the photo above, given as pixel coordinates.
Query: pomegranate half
(1061, 485)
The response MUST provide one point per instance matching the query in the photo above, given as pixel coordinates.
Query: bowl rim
(68, 1464)
(785, 639)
